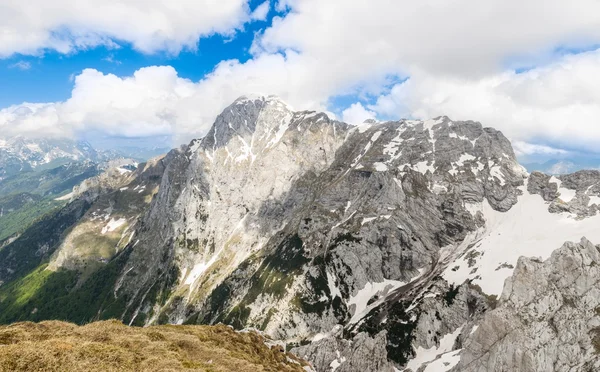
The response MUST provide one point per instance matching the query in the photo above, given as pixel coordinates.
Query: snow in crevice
(336, 363)
(198, 269)
(392, 148)
(334, 291)
(367, 220)
(283, 127)
(423, 355)
(566, 195)
(380, 167)
(423, 166)
(495, 172)
(464, 157)
(246, 151)
(363, 296)
(445, 362)
(374, 138)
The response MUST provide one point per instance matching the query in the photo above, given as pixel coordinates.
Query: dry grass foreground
(112, 346)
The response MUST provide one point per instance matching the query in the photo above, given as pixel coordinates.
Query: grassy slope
(111, 346)
(44, 294)
(17, 221)
(27, 196)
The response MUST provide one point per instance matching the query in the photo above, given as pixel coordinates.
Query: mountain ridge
(377, 245)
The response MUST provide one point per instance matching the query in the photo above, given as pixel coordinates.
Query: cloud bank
(399, 58)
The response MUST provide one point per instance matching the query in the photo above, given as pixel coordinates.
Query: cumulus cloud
(356, 114)
(29, 27)
(156, 101)
(460, 37)
(261, 11)
(558, 103)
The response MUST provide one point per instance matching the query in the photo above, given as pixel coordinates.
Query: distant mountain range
(564, 166)
(36, 172)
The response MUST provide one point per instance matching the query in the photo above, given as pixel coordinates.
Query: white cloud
(461, 37)
(457, 54)
(356, 114)
(29, 27)
(523, 148)
(156, 101)
(559, 102)
(21, 65)
(261, 11)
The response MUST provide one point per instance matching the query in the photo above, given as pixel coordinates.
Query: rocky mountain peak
(246, 116)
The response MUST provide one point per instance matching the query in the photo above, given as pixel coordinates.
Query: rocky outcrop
(547, 319)
(577, 193)
(361, 353)
(117, 199)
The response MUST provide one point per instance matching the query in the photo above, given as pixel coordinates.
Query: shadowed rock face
(358, 246)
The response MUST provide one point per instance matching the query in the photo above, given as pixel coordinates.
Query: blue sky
(50, 76)
(123, 69)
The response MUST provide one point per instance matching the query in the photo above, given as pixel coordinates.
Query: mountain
(18, 154)
(374, 248)
(36, 173)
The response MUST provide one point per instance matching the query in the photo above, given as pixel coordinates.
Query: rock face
(364, 248)
(577, 193)
(547, 319)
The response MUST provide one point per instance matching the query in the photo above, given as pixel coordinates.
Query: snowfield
(527, 229)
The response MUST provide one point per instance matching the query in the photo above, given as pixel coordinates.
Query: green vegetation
(22, 215)
(595, 333)
(38, 242)
(273, 277)
(44, 294)
(48, 182)
(30, 195)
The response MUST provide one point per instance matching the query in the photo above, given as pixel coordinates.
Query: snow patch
(367, 220)
(380, 167)
(445, 362)
(113, 224)
(198, 270)
(423, 355)
(464, 157)
(393, 146)
(363, 296)
(65, 197)
(422, 167)
(566, 195)
(495, 172)
(336, 363)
